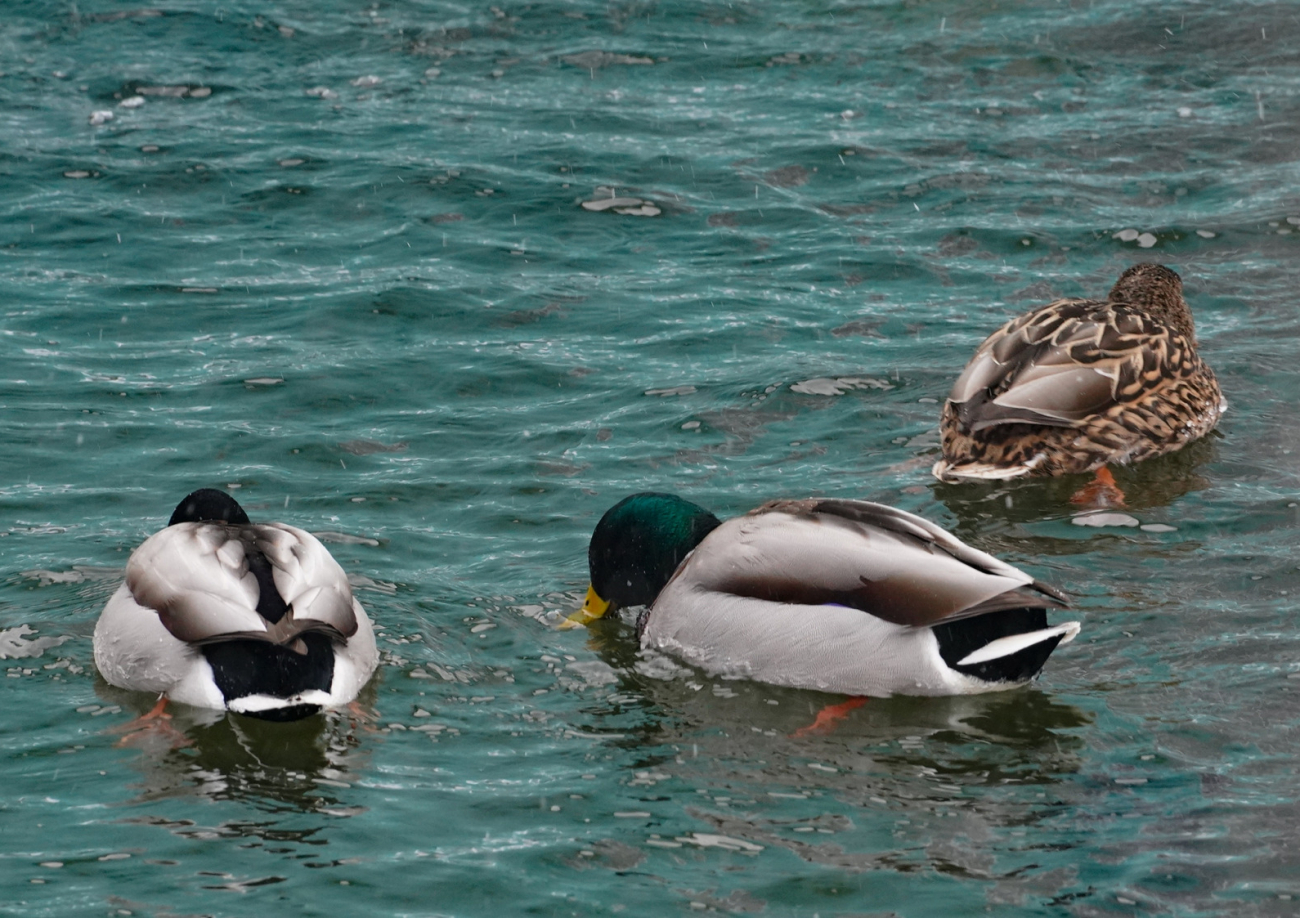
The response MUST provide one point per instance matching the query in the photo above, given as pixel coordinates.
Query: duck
(841, 596)
(218, 612)
(1079, 385)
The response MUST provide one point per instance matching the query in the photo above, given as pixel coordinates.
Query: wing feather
(1064, 363)
(195, 576)
(308, 577)
(894, 565)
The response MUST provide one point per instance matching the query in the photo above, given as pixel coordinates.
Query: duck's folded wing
(886, 562)
(1064, 363)
(308, 578)
(196, 577)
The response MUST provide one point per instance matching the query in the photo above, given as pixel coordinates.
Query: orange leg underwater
(1101, 493)
(154, 723)
(831, 715)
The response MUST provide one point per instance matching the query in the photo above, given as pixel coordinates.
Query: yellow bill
(593, 608)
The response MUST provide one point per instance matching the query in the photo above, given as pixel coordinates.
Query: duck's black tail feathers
(964, 637)
(250, 667)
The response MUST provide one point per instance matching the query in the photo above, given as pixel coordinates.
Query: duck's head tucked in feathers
(208, 505)
(217, 611)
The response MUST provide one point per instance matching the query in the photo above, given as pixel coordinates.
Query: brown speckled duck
(1079, 384)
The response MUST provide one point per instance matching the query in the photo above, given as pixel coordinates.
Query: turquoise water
(380, 310)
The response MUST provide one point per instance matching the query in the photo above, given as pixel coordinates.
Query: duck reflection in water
(946, 770)
(679, 705)
(984, 507)
(299, 765)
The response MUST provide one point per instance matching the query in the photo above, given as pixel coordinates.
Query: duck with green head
(840, 596)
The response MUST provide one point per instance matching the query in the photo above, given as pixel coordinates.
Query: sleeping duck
(218, 612)
(1079, 384)
(843, 596)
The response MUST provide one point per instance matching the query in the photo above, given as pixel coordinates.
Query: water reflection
(986, 508)
(277, 767)
(1023, 735)
(901, 784)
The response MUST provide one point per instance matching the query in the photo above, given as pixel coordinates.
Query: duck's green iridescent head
(635, 549)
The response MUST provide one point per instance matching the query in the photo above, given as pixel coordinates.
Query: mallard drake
(842, 596)
(218, 612)
(1079, 384)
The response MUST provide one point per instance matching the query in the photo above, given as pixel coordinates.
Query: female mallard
(218, 612)
(838, 595)
(1079, 384)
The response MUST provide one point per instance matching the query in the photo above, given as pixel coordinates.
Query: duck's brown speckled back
(1079, 384)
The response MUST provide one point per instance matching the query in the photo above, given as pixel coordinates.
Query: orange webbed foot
(1102, 493)
(829, 716)
(361, 717)
(156, 723)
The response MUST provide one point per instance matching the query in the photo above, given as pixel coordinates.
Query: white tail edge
(251, 704)
(1014, 643)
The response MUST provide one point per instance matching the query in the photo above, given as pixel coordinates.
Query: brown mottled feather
(1079, 384)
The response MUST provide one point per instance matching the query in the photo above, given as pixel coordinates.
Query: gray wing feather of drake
(1057, 366)
(889, 563)
(308, 577)
(196, 577)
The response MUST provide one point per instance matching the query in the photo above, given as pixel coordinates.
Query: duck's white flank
(923, 574)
